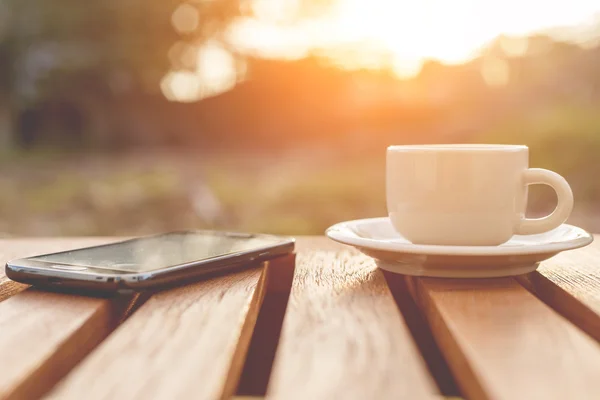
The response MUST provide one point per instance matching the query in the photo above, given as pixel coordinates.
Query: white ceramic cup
(467, 195)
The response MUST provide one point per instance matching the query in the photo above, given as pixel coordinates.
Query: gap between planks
(343, 335)
(502, 342)
(563, 277)
(570, 284)
(421, 333)
(187, 342)
(265, 338)
(44, 334)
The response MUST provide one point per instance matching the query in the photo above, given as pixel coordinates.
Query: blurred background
(127, 117)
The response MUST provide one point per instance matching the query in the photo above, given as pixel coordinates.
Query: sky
(368, 33)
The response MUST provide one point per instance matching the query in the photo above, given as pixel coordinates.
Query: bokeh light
(183, 55)
(185, 18)
(495, 71)
(182, 86)
(289, 105)
(216, 71)
(514, 46)
(379, 34)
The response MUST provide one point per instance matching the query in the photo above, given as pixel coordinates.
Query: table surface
(322, 324)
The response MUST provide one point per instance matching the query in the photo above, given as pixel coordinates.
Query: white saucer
(521, 254)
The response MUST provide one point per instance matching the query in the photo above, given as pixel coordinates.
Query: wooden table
(348, 331)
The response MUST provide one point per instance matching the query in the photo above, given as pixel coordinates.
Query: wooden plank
(43, 334)
(570, 283)
(265, 338)
(419, 328)
(187, 342)
(343, 335)
(11, 249)
(503, 343)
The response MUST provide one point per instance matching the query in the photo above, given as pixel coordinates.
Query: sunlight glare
(514, 46)
(378, 34)
(495, 71)
(274, 11)
(405, 32)
(255, 37)
(407, 68)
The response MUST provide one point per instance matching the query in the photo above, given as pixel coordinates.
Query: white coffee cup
(467, 195)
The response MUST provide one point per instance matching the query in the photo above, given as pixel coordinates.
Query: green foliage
(564, 139)
(130, 195)
(58, 45)
(300, 197)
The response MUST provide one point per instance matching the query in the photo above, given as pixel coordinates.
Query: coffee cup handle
(534, 176)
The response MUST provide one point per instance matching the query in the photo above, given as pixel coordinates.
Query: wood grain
(503, 343)
(570, 283)
(343, 336)
(43, 334)
(188, 342)
(11, 249)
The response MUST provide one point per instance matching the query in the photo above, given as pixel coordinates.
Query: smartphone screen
(158, 252)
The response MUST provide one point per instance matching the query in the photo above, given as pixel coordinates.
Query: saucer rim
(337, 234)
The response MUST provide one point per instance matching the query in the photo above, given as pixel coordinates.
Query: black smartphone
(148, 262)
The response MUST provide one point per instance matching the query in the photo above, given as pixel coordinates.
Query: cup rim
(458, 147)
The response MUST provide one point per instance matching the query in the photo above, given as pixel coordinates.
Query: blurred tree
(65, 55)
(79, 53)
(119, 40)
